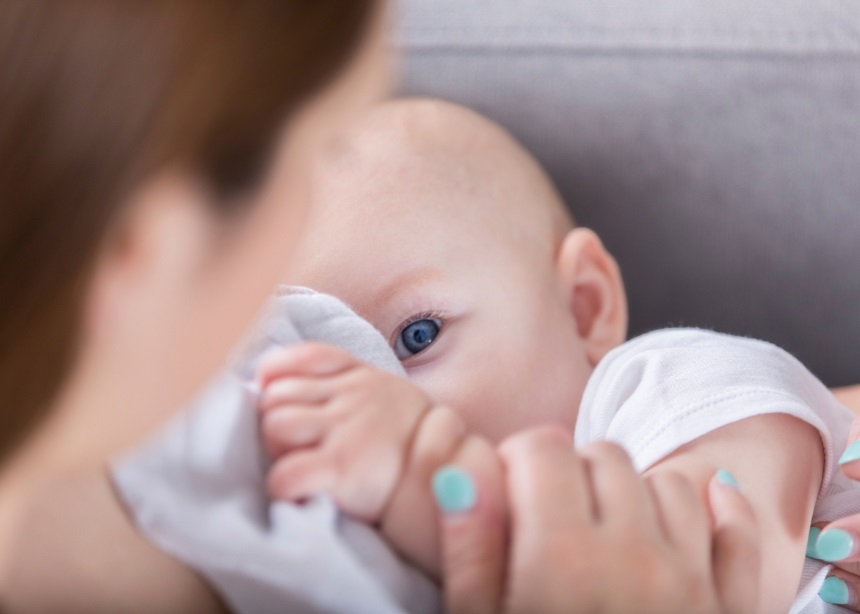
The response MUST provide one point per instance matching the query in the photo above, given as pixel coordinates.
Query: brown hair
(95, 95)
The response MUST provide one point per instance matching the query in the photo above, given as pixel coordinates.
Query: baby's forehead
(424, 185)
(444, 160)
(401, 141)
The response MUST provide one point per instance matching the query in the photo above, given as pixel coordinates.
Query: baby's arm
(778, 461)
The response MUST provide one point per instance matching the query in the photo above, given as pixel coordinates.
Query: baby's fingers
(297, 427)
(309, 359)
(296, 390)
(737, 551)
(301, 475)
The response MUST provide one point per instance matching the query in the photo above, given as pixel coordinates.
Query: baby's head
(437, 227)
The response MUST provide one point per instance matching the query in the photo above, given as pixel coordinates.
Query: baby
(438, 228)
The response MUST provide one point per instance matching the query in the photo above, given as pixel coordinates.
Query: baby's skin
(438, 228)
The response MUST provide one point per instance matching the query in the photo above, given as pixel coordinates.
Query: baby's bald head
(406, 150)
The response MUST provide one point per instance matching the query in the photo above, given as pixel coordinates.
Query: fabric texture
(712, 145)
(197, 491)
(665, 389)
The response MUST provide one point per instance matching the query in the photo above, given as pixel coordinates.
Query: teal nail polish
(851, 454)
(454, 490)
(834, 590)
(726, 477)
(834, 545)
(811, 552)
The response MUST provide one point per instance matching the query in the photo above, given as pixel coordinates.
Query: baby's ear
(592, 283)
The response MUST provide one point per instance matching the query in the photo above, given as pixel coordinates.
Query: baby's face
(446, 263)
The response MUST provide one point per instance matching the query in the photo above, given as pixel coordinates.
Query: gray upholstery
(714, 145)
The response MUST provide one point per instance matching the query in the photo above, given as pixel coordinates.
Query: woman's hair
(96, 95)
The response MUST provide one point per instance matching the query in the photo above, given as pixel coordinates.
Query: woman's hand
(839, 541)
(587, 534)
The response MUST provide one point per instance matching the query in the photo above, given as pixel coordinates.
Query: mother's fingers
(683, 519)
(737, 548)
(548, 485)
(850, 460)
(838, 543)
(841, 588)
(552, 523)
(473, 529)
(621, 495)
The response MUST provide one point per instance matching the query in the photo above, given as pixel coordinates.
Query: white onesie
(196, 489)
(662, 390)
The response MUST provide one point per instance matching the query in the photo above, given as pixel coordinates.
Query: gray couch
(714, 145)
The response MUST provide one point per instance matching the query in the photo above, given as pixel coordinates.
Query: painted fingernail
(454, 490)
(851, 454)
(835, 591)
(834, 545)
(726, 477)
(814, 532)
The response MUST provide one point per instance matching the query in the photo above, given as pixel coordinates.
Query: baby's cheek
(556, 381)
(532, 375)
(507, 405)
(470, 389)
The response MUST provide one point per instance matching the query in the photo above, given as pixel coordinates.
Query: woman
(152, 170)
(153, 159)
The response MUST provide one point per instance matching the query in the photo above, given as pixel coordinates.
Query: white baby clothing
(665, 389)
(196, 489)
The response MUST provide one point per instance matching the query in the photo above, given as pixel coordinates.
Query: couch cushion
(714, 146)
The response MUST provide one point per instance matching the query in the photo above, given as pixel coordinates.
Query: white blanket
(196, 490)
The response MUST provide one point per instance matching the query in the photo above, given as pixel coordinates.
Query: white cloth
(196, 490)
(662, 390)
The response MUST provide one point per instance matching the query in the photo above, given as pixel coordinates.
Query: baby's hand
(336, 426)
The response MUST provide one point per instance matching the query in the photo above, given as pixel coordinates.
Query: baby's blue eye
(416, 337)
